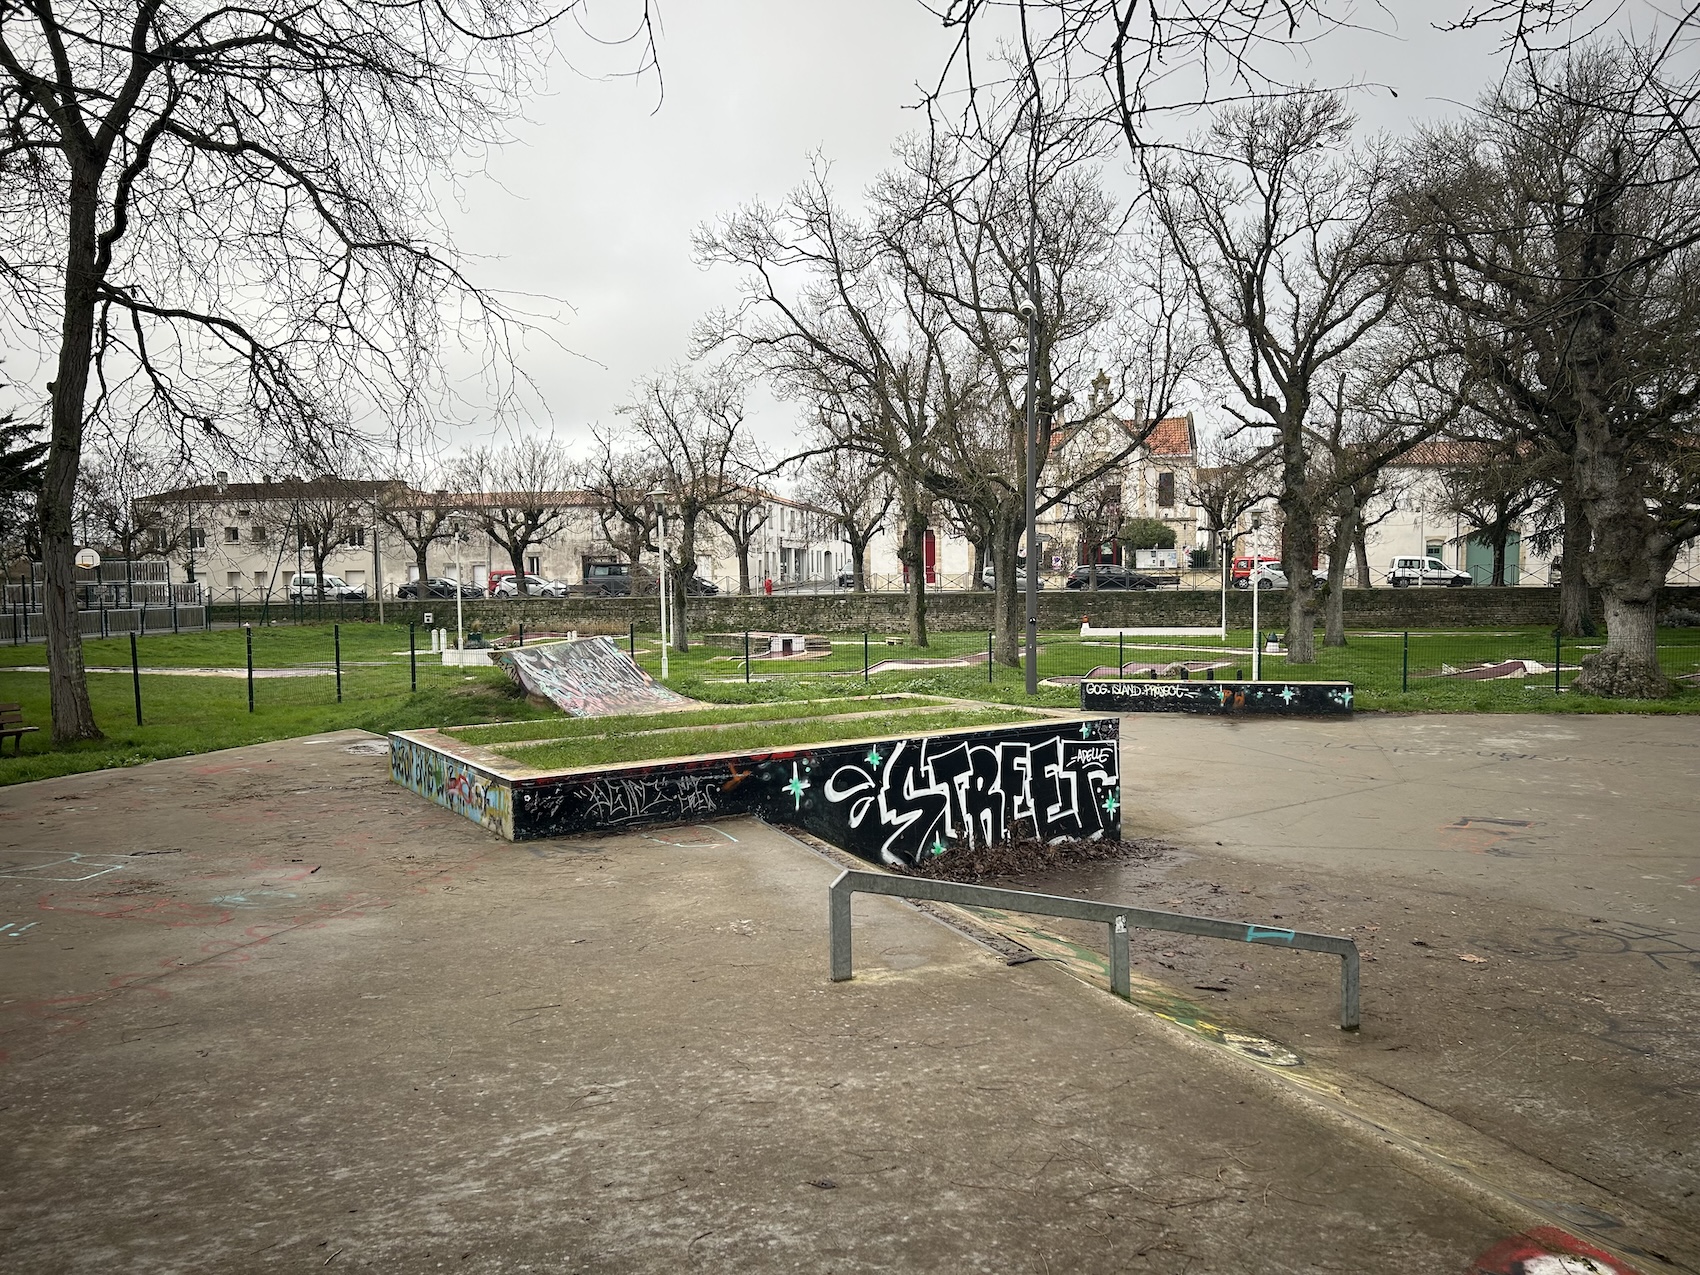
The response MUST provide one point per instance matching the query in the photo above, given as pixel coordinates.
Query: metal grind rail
(1120, 920)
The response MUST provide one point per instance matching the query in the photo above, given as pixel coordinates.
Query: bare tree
(221, 223)
(854, 487)
(520, 492)
(824, 317)
(1233, 477)
(1564, 232)
(741, 515)
(1276, 221)
(418, 506)
(620, 479)
(692, 423)
(325, 514)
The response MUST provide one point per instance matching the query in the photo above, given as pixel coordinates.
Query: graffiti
(1624, 938)
(893, 801)
(587, 677)
(448, 781)
(653, 799)
(1546, 1250)
(1293, 699)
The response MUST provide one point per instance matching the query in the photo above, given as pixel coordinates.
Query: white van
(306, 585)
(1406, 572)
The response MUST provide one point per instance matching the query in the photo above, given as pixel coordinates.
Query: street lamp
(1030, 312)
(1256, 588)
(659, 500)
(457, 526)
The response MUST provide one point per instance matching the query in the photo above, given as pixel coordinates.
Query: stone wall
(1394, 609)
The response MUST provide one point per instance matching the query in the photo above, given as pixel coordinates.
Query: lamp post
(1030, 311)
(460, 629)
(660, 501)
(1256, 588)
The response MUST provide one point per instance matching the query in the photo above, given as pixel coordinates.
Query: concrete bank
(268, 1010)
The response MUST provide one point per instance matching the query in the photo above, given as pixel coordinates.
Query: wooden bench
(12, 724)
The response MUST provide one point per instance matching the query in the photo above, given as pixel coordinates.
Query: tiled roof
(1171, 436)
(1443, 451)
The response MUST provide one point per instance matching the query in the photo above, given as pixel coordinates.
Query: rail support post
(838, 928)
(1120, 981)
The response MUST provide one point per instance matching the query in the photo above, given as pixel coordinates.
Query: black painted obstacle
(1216, 699)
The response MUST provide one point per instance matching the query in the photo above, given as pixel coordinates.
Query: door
(932, 557)
(1478, 559)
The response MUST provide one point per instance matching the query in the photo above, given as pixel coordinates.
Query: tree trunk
(1501, 534)
(743, 547)
(1009, 604)
(1299, 548)
(1575, 615)
(912, 553)
(1334, 605)
(1360, 544)
(419, 553)
(859, 562)
(1628, 562)
(67, 683)
(680, 584)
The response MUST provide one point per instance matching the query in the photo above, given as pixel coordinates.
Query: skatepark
(266, 1008)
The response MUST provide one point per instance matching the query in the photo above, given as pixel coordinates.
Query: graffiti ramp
(587, 677)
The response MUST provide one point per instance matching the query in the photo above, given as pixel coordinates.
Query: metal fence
(18, 627)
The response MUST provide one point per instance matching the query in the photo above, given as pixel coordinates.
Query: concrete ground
(262, 1008)
(1526, 892)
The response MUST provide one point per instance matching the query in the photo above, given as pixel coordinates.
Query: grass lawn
(186, 714)
(762, 735)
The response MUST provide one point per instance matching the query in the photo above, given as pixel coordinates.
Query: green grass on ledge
(756, 737)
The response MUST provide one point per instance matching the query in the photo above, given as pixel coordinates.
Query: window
(1433, 548)
(233, 579)
(161, 540)
(355, 536)
(259, 579)
(257, 535)
(1166, 490)
(197, 537)
(233, 535)
(534, 566)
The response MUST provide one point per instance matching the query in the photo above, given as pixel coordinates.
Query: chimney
(1139, 412)
(221, 478)
(266, 479)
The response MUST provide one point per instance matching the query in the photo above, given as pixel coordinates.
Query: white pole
(460, 629)
(665, 637)
(1227, 562)
(1256, 637)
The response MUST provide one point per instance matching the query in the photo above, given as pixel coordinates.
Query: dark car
(438, 587)
(615, 579)
(697, 585)
(1109, 577)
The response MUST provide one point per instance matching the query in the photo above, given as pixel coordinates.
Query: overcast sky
(594, 205)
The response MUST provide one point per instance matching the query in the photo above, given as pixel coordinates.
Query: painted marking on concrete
(73, 866)
(17, 933)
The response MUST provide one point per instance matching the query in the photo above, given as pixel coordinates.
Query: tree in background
(418, 506)
(22, 459)
(1146, 533)
(519, 492)
(1492, 489)
(692, 424)
(856, 490)
(325, 514)
(220, 225)
(1277, 220)
(1232, 478)
(1561, 227)
(620, 480)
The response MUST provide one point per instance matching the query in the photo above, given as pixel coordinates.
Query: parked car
(336, 589)
(1240, 573)
(697, 585)
(1275, 578)
(535, 586)
(438, 587)
(989, 578)
(615, 579)
(1110, 576)
(1406, 572)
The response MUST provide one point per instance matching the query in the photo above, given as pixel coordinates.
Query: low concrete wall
(1394, 609)
(890, 801)
(1217, 699)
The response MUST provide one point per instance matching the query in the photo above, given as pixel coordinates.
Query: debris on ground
(1028, 856)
